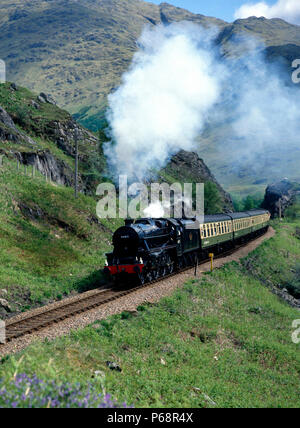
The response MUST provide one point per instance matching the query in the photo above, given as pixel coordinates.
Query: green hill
(224, 340)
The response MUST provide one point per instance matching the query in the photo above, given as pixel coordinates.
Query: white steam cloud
(164, 100)
(155, 210)
(288, 10)
(180, 87)
(263, 123)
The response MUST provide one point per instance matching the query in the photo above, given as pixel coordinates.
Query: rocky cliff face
(279, 196)
(9, 131)
(188, 167)
(55, 169)
(43, 160)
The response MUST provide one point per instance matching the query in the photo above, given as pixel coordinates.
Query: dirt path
(150, 294)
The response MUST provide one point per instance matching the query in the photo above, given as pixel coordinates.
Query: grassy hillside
(51, 243)
(221, 341)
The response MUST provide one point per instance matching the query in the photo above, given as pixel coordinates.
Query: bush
(22, 115)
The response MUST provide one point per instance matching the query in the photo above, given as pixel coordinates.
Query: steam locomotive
(147, 248)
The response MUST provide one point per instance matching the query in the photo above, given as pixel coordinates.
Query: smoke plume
(180, 87)
(165, 98)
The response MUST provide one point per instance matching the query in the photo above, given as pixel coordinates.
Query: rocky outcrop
(48, 165)
(63, 133)
(279, 196)
(55, 169)
(5, 305)
(44, 98)
(9, 131)
(188, 167)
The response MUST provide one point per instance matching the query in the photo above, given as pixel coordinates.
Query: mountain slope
(77, 50)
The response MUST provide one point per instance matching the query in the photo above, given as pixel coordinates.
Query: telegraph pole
(280, 210)
(76, 161)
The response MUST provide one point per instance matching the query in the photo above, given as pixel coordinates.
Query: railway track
(17, 327)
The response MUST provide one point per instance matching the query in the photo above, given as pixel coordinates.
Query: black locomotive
(151, 248)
